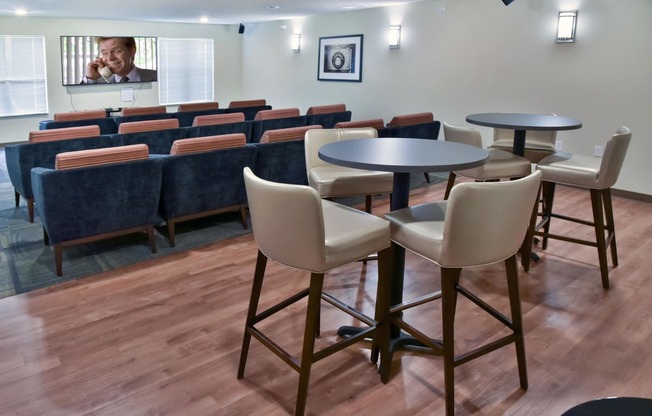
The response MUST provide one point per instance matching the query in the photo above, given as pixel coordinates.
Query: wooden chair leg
(58, 259)
(261, 263)
(171, 233)
(449, 184)
(449, 281)
(243, 216)
(312, 317)
(548, 199)
(610, 225)
(526, 247)
(380, 344)
(367, 204)
(30, 209)
(598, 220)
(517, 320)
(427, 176)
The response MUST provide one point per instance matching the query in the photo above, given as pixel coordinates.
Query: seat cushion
(332, 180)
(351, 234)
(499, 164)
(569, 169)
(207, 144)
(420, 228)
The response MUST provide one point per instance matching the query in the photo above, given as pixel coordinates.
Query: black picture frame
(340, 58)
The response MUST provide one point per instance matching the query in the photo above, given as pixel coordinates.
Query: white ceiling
(189, 11)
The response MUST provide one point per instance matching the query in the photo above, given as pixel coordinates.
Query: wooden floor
(163, 337)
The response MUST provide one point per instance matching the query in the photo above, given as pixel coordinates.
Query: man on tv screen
(116, 63)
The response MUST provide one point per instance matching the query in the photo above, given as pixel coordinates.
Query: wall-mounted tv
(92, 60)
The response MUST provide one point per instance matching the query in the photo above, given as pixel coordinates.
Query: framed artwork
(340, 58)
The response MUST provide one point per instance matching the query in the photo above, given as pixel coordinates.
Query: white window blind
(23, 88)
(185, 71)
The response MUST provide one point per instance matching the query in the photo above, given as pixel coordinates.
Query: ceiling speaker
(241, 28)
(507, 2)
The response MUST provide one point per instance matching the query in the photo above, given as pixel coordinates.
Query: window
(185, 71)
(23, 88)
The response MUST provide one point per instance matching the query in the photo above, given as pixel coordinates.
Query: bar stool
(293, 226)
(586, 172)
(499, 165)
(470, 229)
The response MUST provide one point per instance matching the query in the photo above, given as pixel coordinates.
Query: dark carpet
(27, 264)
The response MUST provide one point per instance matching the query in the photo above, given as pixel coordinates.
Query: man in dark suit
(116, 63)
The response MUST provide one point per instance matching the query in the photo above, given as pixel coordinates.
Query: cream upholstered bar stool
(500, 164)
(339, 181)
(469, 229)
(597, 175)
(538, 143)
(293, 226)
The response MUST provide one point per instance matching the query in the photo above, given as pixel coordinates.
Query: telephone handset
(105, 72)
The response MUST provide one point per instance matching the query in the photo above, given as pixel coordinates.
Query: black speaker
(241, 29)
(507, 2)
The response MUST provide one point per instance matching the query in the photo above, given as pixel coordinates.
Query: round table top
(609, 406)
(407, 155)
(524, 121)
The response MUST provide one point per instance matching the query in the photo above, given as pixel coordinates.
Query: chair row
(250, 110)
(104, 192)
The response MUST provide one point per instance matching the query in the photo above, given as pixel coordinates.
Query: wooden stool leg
(598, 220)
(526, 247)
(17, 197)
(261, 263)
(548, 199)
(171, 235)
(380, 343)
(610, 225)
(449, 184)
(30, 209)
(367, 204)
(449, 280)
(312, 316)
(517, 320)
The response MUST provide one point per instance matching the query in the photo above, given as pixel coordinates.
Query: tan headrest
(290, 133)
(212, 119)
(410, 119)
(65, 133)
(326, 109)
(137, 111)
(198, 106)
(376, 123)
(80, 115)
(247, 103)
(105, 156)
(278, 113)
(208, 143)
(148, 125)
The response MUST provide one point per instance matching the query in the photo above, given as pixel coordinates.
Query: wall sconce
(566, 26)
(395, 37)
(295, 42)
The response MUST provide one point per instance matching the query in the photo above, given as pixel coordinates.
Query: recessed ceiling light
(203, 19)
(273, 7)
(20, 12)
(350, 6)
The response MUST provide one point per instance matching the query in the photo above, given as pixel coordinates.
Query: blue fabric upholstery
(219, 129)
(249, 112)
(159, 141)
(206, 181)
(260, 126)
(328, 120)
(107, 125)
(84, 202)
(283, 162)
(21, 158)
(419, 131)
(187, 117)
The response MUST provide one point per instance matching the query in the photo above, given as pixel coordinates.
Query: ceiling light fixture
(566, 26)
(20, 12)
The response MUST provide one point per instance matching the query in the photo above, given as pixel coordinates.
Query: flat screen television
(116, 53)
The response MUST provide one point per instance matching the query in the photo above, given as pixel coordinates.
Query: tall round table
(403, 156)
(522, 122)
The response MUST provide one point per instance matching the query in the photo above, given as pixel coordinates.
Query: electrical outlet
(597, 151)
(559, 145)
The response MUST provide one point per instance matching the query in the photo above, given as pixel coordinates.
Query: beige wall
(228, 70)
(477, 56)
(457, 57)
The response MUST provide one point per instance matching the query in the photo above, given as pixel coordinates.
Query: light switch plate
(127, 94)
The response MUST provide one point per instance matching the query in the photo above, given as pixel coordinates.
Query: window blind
(185, 71)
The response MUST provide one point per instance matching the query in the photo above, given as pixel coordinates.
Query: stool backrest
(613, 158)
(486, 222)
(464, 135)
(316, 138)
